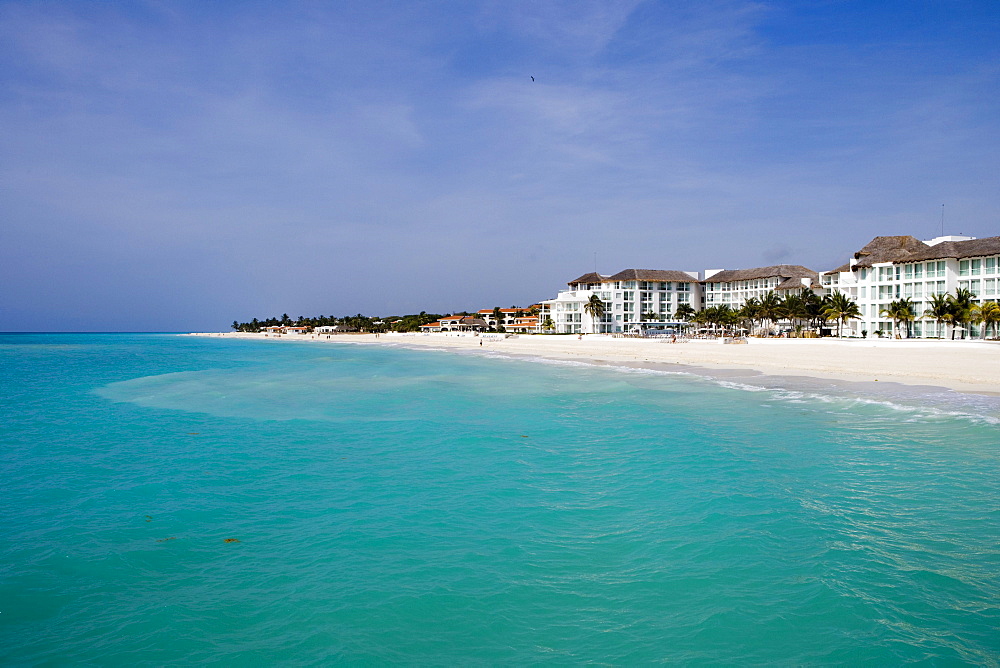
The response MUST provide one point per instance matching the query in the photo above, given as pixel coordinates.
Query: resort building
(892, 268)
(887, 269)
(511, 319)
(456, 323)
(733, 287)
(632, 298)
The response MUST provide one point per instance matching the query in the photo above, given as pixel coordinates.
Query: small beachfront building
(897, 267)
(630, 297)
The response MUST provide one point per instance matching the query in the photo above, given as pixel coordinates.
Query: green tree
(770, 307)
(841, 308)
(900, 311)
(594, 307)
(750, 312)
(988, 315)
(684, 312)
(961, 309)
(939, 310)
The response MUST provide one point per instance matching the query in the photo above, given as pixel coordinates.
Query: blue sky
(178, 165)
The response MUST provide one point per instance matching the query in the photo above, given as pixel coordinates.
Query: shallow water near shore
(392, 505)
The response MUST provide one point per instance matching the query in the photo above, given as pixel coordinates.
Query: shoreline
(969, 367)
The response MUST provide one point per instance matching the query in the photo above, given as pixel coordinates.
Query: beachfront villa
(886, 269)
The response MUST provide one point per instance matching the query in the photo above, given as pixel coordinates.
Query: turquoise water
(398, 506)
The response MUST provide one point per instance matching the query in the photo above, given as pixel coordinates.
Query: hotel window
(918, 271)
(629, 285)
(990, 286)
(864, 292)
(683, 298)
(976, 267)
(907, 289)
(990, 265)
(908, 272)
(974, 288)
(963, 268)
(664, 286)
(918, 290)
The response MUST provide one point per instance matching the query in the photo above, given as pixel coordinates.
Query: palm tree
(594, 307)
(899, 311)
(750, 312)
(684, 312)
(547, 324)
(987, 313)
(961, 308)
(841, 308)
(498, 318)
(794, 308)
(770, 307)
(940, 309)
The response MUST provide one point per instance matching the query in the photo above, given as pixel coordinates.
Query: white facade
(893, 268)
(627, 296)
(885, 270)
(733, 287)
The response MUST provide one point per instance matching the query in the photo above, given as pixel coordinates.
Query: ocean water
(178, 500)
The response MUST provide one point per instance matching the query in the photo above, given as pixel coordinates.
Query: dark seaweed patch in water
(230, 540)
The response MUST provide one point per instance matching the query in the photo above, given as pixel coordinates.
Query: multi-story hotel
(734, 286)
(630, 297)
(886, 269)
(892, 268)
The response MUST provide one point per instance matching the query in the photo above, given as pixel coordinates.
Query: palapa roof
(794, 284)
(889, 249)
(959, 249)
(652, 275)
(592, 277)
(782, 271)
(909, 249)
(659, 275)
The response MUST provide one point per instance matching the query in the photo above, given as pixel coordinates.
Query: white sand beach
(964, 366)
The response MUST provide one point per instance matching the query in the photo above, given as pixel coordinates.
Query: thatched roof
(659, 275)
(889, 249)
(592, 277)
(843, 267)
(782, 271)
(662, 275)
(794, 284)
(959, 249)
(909, 249)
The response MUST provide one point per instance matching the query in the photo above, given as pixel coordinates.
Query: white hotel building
(886, 269)
(892, 268)
(627, 296)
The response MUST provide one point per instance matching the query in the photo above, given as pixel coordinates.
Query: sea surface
(170, 500)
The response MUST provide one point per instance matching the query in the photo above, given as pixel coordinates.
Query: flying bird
(532, 78)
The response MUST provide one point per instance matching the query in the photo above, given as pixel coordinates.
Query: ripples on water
(422, 507)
